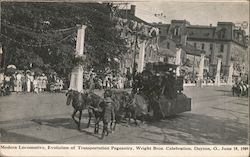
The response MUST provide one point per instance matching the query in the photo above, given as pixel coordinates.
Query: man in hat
(108, 112)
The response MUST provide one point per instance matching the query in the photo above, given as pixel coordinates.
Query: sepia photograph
(162, 73)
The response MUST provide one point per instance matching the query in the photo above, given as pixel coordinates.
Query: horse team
(112, 109)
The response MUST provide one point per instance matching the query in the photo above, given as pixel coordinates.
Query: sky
(196, 12)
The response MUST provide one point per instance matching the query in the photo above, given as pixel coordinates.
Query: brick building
(224, 40)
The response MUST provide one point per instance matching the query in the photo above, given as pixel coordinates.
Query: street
(216, 118)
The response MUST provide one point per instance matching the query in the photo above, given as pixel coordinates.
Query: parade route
(216, 118)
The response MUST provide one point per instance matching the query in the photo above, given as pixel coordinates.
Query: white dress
(35, 85)
(18, 82)
(28, 83)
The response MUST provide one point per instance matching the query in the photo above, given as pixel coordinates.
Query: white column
(201, 67)
(76, 80)
(217, 77)
(141, 56)
(1, 50)
(1, 56)
(178, 61)
(230, 74)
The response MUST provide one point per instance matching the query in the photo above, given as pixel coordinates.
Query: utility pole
(134, 58)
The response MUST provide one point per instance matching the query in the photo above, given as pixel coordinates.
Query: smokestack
(132, 9)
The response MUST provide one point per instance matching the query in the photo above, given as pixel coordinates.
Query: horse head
(69, 95)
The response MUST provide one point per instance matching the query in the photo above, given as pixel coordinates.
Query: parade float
(168, 99)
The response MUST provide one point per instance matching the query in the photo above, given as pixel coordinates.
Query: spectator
(44, 81)
(19, 82)
(39, 84)
(28, 83)
(35, 85)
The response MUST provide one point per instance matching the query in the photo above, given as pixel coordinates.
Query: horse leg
(80, 117)
(90, 116)
(134, 117)
(111, 126)
(143, 118)
(96, 125)
(73, 116)
(129, 117)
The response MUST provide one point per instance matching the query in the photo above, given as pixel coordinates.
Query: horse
(240, 89)
(94, 109)
(103, 111)
(137, 107)
(120, 99)
(132, 107)
(79, 103)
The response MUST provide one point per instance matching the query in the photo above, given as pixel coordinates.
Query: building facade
(224, 41)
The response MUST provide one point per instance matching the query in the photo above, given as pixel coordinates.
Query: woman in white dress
(28, 76)
(18, 82)
(35, 85)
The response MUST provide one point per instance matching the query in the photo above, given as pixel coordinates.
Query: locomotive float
(162, 89)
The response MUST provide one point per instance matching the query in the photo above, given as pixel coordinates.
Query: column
(178, 61)
(217, 77)
(141, 56)
(76, 80)
(230, 74)
(1, 56)
(201, 67)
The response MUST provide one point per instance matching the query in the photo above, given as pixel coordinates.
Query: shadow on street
(197, 129)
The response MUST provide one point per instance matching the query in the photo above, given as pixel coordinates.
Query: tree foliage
(28, 38)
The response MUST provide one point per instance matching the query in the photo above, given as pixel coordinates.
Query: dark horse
(110, 111)
(125, 105)
(82, 101)
(79, 103)
(120, 99)
(95, 109)
(137, 107)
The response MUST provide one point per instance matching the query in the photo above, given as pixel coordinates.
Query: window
(195, 45)
(202, 46)
(166, 59)
(221, 48)
(168, 45)
(176, 31)
(222, 33)
(211, 47)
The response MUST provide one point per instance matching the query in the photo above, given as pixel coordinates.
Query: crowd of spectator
(27, 81)
(93, 81)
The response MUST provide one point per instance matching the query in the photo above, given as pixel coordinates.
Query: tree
(34, 34)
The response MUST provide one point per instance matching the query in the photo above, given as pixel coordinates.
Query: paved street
(216, 118)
